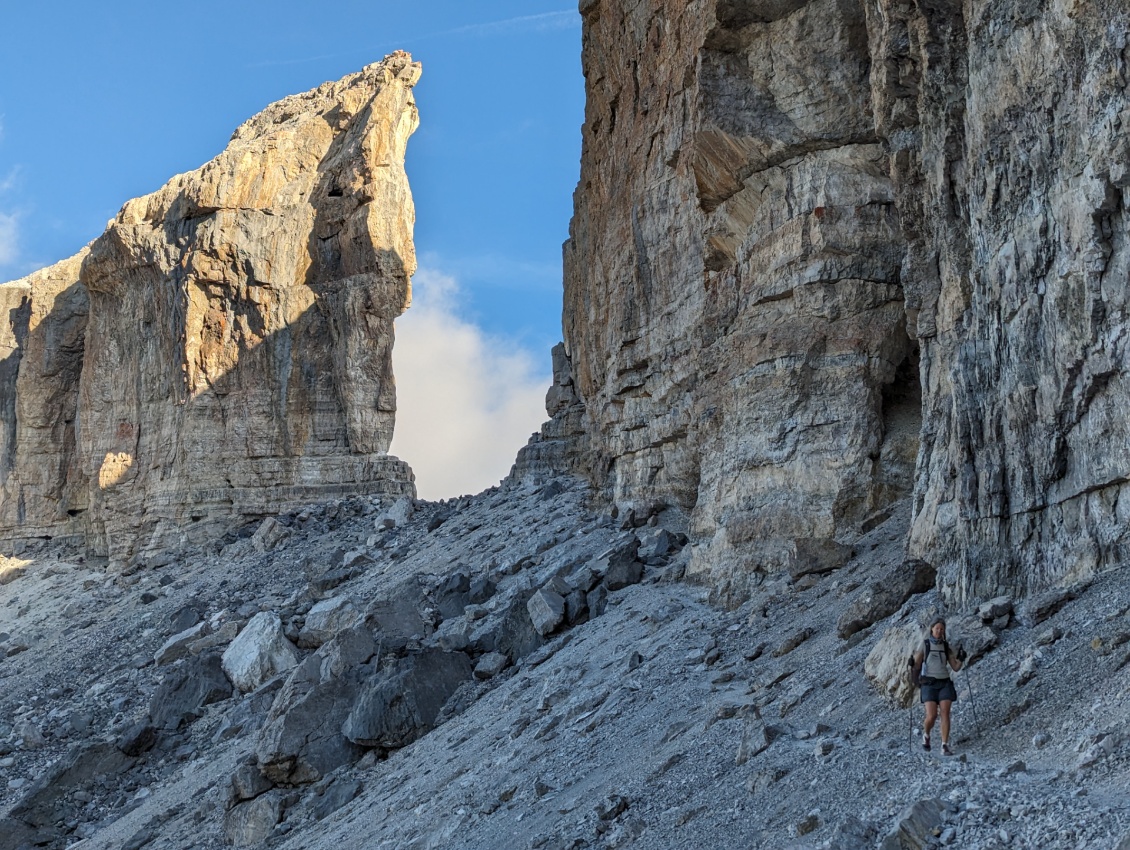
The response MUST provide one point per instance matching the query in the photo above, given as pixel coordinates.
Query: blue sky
(102, 102)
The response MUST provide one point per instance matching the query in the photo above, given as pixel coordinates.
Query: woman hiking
(935, 659)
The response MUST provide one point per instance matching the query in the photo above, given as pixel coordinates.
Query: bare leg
(946, 704)
(931, 716)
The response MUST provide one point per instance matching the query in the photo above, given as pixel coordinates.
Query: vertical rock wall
(733, 303)
(811, 233)
(237, 355)
(1008, 123)
(42, 335)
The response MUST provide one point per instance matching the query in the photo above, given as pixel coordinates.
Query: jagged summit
(224, 349)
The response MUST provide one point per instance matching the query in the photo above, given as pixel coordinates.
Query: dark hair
(935, 622)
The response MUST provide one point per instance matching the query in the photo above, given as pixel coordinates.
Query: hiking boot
(946, 751)
(926, 743)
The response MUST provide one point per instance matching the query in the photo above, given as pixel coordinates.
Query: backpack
(915, 670)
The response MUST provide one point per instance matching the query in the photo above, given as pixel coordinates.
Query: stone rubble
(657, 719)
(845, 330)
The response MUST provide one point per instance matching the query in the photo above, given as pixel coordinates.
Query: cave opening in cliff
(901, 422)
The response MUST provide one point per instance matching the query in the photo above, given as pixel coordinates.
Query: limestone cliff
(42, 492)
(808, 232)
(236, 358)
(1007, 123)
(733, 307)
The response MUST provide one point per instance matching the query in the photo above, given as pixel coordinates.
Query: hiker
(933, 663)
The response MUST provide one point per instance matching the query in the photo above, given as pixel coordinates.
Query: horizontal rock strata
(811, 235)
(234, 331)
(733, 306)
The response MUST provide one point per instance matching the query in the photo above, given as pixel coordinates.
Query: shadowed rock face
(1008, 132)
(810, 235)
(42, 335)
(237, 355)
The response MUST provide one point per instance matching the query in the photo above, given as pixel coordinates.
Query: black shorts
(938, 690)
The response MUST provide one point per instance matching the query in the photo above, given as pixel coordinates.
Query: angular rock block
(490, 665)
(301, 741)
(547, 610)
(326, 619)
(401, 705)
(251, 823)
(882, 598)
(260, 652)
(182, 697)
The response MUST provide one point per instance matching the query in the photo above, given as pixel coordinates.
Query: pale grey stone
(915, 827)
(547, 610)
(491, 664)
(252, 822)
(177, 646)
(259, 652)
(326, 619)
(269, 535)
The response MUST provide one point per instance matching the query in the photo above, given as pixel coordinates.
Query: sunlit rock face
(826, 254)
(733, 306)
(236, 356)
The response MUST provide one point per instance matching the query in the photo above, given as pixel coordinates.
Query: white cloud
(466, 401)
(9, 238)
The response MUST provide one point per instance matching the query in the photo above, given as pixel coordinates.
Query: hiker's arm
(918, 656)
(955, 659)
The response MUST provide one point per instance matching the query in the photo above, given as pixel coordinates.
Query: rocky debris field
(516, 669)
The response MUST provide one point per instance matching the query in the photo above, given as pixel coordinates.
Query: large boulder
(181, 698)
(453, 595)
(269, 535)
(48, 802)
(396, 514)
(326, 619)
(885, 666)
(301, 740)
(620, 564)
(973, 635)
(917, 826)
(252, 822)
(658, 545)
(808, 556)
(397, 617)
(177, 646)
(402, 704)
(508, 630)
(15, 835)
(884, 597)
(547, 610)
(259, 652)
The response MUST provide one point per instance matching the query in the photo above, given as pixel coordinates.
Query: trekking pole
(910, 729)
(972, 702)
